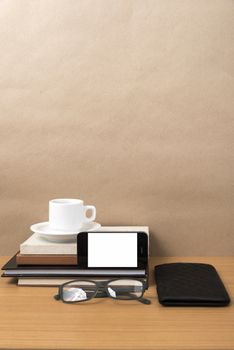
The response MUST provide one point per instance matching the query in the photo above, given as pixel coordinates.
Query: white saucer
(45, 231)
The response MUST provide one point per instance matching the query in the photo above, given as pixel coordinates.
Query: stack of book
(45, 263)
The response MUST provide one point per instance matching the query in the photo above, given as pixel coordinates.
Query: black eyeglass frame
(103, 287)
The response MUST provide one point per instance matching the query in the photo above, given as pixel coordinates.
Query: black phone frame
(142, 251)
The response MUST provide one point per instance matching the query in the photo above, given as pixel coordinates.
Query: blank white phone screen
(112, 249)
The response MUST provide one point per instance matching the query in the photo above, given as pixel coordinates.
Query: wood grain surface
(32, 319)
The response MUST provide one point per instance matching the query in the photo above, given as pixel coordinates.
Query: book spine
(46, 259)
(54, 281)
(70, 249)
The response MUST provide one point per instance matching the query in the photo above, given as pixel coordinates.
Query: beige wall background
(126, 104)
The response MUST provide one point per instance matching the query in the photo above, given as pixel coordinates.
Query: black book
(11, 269)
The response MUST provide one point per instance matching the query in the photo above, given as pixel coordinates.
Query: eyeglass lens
(79, 291)
(125, 289)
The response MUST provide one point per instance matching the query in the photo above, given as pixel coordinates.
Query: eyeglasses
(83, 290)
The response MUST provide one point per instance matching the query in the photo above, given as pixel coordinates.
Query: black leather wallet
(190, 284)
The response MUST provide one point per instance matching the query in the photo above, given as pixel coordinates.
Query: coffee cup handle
(93, 216)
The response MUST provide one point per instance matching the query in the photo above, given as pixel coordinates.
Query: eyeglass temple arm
(144, 301)
(57, 297)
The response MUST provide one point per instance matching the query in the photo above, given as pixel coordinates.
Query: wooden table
(32, 319)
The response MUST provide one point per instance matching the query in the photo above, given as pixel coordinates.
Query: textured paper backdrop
(126, 104)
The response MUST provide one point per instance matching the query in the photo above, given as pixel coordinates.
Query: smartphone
(112, 250)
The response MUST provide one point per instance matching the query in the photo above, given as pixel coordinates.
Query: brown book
(47, 259)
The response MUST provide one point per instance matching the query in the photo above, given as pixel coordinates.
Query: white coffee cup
(68, 214)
